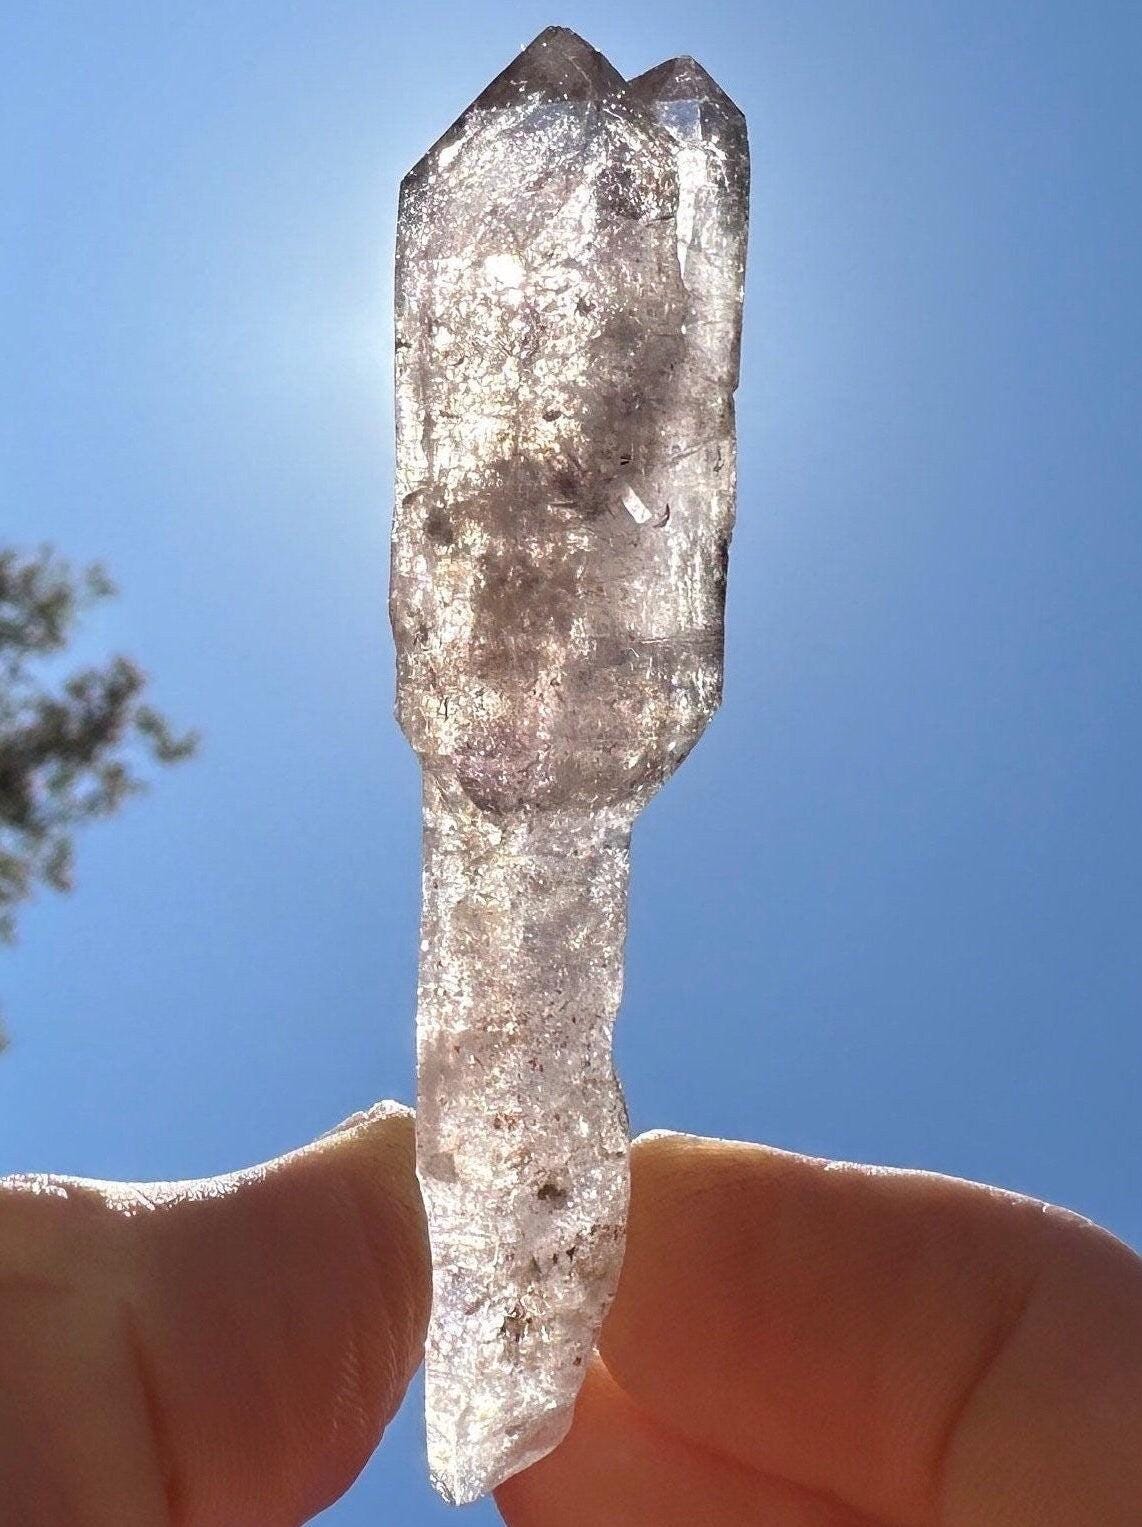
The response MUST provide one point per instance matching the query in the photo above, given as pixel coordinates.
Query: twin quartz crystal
(570, 260)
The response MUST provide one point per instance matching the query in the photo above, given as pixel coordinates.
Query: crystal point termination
(569, 279)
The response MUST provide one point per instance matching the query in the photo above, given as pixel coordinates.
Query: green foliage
(70, 751)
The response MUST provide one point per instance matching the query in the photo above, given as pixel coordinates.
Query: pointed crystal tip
(680, 79)
(557, 66)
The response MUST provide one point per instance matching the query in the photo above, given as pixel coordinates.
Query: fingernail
(387, 1108)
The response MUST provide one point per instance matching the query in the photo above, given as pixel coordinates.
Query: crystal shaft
(521, 970)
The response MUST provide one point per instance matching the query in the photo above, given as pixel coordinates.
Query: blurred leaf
(71, 752)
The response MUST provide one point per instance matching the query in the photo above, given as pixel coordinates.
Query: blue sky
(890, 909)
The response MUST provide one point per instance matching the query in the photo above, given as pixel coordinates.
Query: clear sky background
(891, 908)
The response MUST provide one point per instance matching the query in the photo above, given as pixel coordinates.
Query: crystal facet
(570, 257)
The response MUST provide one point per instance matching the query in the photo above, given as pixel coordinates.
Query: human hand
(794, 1343)
(222, 1353)
(799, 1343)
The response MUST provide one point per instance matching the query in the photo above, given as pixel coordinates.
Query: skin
(795, 1343)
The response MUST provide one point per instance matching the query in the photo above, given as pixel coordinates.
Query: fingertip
(369, 1162)
(379, 1113)
(669, 1153)
(812, 1320)
(284, 1310)
(367, 1166)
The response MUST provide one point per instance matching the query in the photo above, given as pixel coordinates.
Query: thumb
(210, 1352)
(795, 1341)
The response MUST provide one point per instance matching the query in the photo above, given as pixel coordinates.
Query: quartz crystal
(569, 279)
